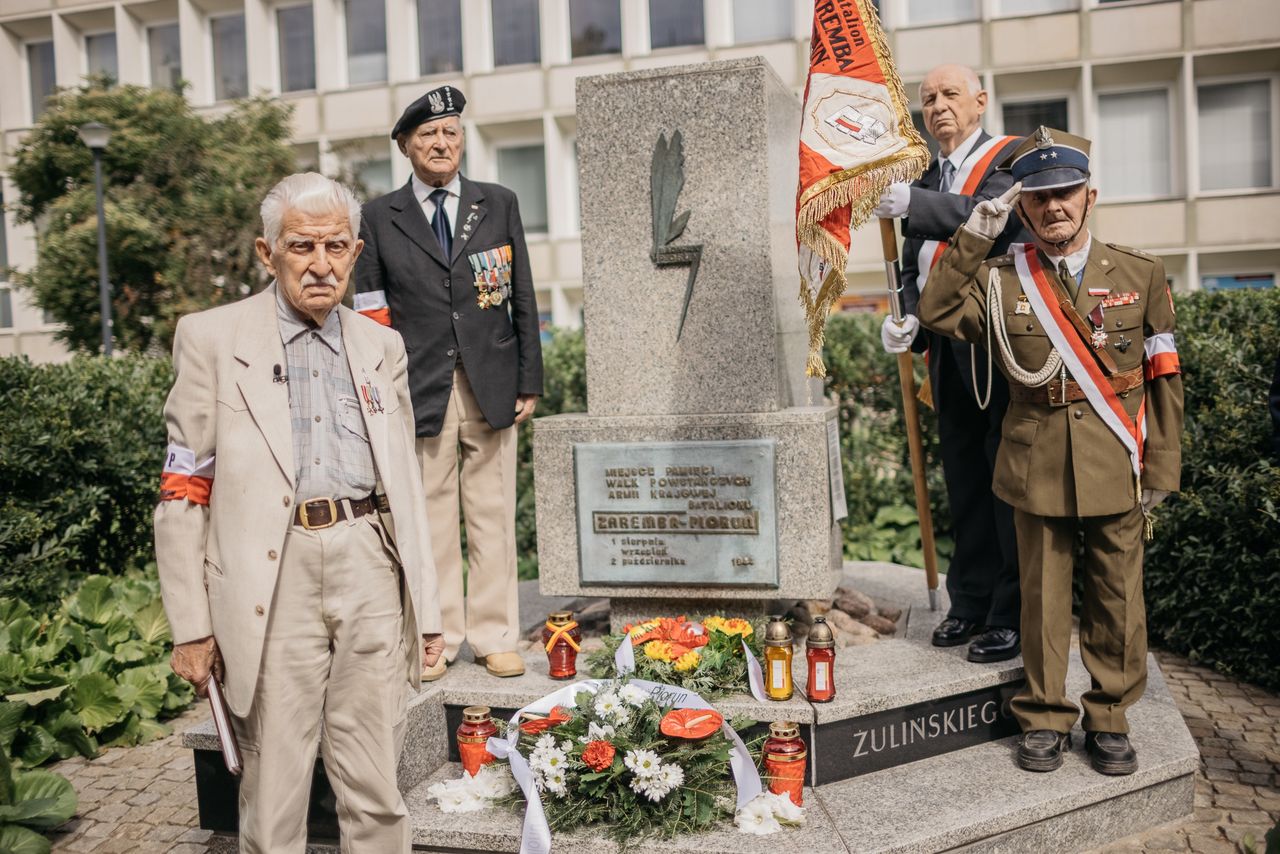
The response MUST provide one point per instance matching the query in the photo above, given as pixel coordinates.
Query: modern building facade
(1182, 98)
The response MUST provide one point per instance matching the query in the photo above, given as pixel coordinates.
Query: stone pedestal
(702, 470)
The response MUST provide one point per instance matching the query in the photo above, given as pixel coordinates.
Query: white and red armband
(1161, 356)
(373, 305)
(182, 478)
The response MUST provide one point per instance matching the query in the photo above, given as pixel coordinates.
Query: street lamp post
(96, 135)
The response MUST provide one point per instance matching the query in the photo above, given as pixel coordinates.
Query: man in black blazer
(982, 581)
(445, 264)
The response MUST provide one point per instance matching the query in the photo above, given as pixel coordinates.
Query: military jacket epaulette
(1005, 260)
(1135, 253)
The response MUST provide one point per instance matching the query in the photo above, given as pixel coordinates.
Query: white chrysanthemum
(553, 759)
(599, 732)
(566, 746)
(545, 742)
(633, 695)
(785, 809)
(607, 704)
(757, 818)
(621, 715)
(556, 784)
(650, 788)
(642, 763)
(670, 775)
(493, 781)
(457, 795)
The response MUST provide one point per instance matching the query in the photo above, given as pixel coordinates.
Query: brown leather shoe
(435, 671)
(503, 663)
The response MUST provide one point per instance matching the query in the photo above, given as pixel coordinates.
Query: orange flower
(536, 725)
(598, 755)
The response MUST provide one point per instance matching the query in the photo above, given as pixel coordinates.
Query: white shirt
(1076, 260)
(962, 150)
(422, 192)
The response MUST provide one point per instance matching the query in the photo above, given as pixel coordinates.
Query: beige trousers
(333, 655)
(1113, 619)
(471, 461)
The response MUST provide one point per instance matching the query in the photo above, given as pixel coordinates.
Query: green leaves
(96, 702)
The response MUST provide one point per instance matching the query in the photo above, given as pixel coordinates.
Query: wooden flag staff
(911, 414)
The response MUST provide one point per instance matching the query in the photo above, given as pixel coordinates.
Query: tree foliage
(181, 199)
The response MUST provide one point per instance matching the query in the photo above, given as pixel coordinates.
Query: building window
(941, 11)
(230, 58)
(366, 41)
(1036, 7)
(523, 169)
(516, 37)
(100, 55)
(761, 21)
(1235, 135)
(1022, 119)
(439, 36)
(40, 71)
(6, 309)
(1134, 143)
(595, 27)
(1246, 281)
(675, 22)
(374, 176)
(295, 30)
(164, 46)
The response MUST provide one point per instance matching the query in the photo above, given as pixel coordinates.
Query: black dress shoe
(1042, 750)
(996, 645)
(954, 631)
(1111, 753)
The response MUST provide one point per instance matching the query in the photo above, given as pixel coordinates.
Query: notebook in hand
(222, 723)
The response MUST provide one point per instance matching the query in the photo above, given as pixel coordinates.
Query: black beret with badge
(436, 104)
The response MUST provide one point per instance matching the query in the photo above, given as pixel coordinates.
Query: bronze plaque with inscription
(701, 513)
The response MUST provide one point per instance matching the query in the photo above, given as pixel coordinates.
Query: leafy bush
(31, 801)
(94, 673)
(79, 456)
(1213, 569)
(882, 523)
(564, 370)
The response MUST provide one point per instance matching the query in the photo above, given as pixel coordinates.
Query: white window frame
(997, 12)
(211, 51)
(733, 34)
(277, 64)
(1271, 77)
(146, 47)
(85, 35)
(525, 141)
(704, 45)
(1177, 150)
(1071, 96)
(417, 42)
(346, 55)
(900, 19)
(525, 66)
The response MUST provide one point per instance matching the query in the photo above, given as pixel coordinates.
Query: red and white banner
(856, 138)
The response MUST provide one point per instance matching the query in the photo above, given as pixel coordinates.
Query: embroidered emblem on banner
(859, 125)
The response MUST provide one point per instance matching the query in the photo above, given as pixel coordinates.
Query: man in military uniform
(1091, 441)
(982, 581)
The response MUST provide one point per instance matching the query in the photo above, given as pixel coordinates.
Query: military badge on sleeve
(491, 270)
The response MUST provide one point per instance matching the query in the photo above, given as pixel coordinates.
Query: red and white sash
(965, 183)
(1076, 355)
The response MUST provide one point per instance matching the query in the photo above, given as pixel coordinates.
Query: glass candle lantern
(473, 738)
(778, 652)
(820, 649)
(562, 638)
(784, 761)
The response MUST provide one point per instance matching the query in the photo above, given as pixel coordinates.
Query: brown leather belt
(1053, 393)
(320, 513)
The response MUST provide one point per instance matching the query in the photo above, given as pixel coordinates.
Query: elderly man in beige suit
(291, 534)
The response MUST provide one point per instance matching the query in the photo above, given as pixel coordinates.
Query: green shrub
(882, 523)
(93, 673)
(564, 371)
(32, 801)
(1213, 569)
(80, 458)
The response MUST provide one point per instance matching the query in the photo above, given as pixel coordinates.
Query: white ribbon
(624, 661)
(535, 837)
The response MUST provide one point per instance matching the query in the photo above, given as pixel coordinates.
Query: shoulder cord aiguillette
(995, 319)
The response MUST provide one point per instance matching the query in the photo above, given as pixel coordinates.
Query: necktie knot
(438, 196)
(1064, 273)
(948, 175)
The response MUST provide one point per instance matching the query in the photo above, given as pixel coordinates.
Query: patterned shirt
(331, 454)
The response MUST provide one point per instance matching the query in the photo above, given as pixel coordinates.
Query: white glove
(897, 338)
(894, 201)
(1151, 498)
(989, 217)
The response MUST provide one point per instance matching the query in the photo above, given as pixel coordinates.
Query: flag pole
(915, 442)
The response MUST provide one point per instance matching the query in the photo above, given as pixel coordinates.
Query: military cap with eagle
(436, 104)
(1049, 159)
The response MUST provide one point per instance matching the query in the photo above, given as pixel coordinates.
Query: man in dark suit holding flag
(970, 399)
(445, 264)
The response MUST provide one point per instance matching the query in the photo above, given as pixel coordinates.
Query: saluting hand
(990, 216)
